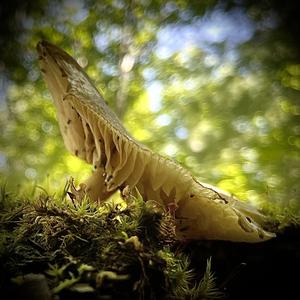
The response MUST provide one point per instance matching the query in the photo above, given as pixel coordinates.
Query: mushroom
(94, 133)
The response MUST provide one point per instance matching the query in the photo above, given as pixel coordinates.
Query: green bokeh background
(212, 84)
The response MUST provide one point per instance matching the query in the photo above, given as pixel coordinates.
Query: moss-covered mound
(59, 247)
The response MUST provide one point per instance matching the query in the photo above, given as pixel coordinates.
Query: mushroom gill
(93, 132)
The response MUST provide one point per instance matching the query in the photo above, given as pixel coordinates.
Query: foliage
(206, 288)
(82, 249)
(213, 84)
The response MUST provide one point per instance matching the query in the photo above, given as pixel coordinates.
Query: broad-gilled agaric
(94, 133)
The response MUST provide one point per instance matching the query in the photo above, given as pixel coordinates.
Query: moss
(84, 250)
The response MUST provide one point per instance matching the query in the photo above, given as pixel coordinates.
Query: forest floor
(55, 247)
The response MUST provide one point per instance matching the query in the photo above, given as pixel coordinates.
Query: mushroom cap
(66, 80)
(94, 133)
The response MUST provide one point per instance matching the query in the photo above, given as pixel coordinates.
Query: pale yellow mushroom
(94, 133)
